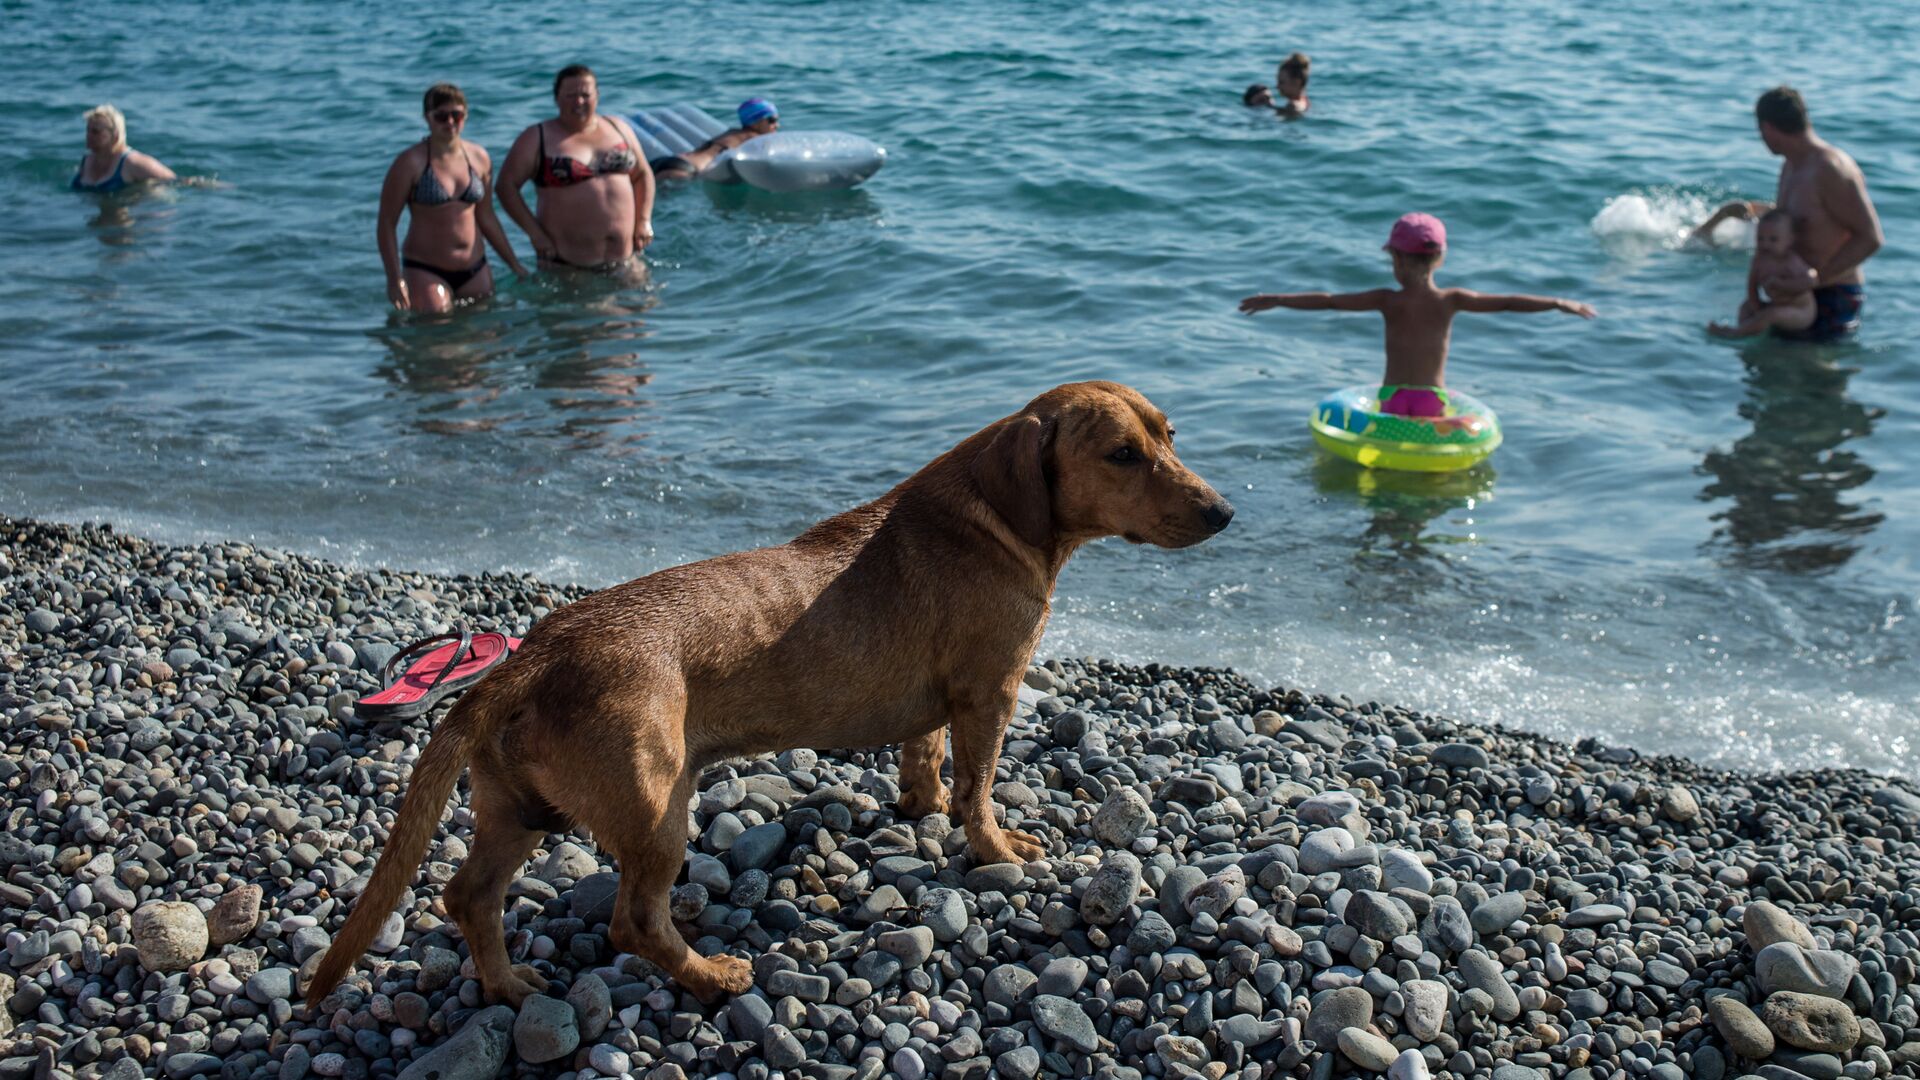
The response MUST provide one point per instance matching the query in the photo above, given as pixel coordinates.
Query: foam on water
(1640, 222)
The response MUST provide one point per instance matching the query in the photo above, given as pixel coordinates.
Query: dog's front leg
(976, 752)
(922, 792)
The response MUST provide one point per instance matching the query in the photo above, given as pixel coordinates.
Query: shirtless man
(757, 117)
(1835, 228)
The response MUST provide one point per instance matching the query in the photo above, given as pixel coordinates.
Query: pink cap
(1418, 234)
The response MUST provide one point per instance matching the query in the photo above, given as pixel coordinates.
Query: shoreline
(1244, 881)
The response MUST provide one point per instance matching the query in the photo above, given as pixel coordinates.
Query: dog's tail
(433, 779)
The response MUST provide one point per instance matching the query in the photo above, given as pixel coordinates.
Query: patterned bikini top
(428, 191)
(565, 171)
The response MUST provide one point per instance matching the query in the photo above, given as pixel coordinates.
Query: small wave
(1647, 221)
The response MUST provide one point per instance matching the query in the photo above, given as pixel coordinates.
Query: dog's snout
(1217, 514)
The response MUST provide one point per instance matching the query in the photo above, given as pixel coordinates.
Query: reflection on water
(116, 225)
(1789, 480)
(805, 207)
(570, 343)
(1404, 504)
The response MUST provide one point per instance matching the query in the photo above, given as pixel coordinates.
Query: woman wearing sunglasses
(445, 183)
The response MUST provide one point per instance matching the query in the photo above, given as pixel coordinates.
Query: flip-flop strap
(459, 654)
(424, 644)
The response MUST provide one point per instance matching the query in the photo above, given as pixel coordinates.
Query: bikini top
(113, 182)
(564, 171)
(428, 191)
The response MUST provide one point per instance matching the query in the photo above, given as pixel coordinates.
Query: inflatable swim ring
(1349, 424)
(781, 161)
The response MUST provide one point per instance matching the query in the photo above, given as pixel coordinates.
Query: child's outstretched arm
(1371, 300)
(1737, 210)
(1468, 300)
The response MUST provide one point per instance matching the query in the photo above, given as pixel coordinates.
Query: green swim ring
(1349, 424)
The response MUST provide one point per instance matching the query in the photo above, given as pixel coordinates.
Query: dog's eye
(1124, 456)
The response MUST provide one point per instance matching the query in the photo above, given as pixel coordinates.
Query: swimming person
(757, 117)
(1779, 284)
(110, 165)
(594, 191)
(1290, 83)
(444, 183)
(1835, 227)
(1290, 86)
(1419, 315)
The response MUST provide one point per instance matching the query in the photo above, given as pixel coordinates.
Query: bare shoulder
(1839, 164)
(621, 127)
(147, 167)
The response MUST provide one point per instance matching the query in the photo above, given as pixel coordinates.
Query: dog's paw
(524, 983)
(1026, 847)
(1006, 845)
(918, 802)
(719, 976)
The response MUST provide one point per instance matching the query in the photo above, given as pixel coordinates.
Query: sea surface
(1685, 546)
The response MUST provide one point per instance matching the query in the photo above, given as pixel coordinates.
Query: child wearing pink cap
(1419, 315)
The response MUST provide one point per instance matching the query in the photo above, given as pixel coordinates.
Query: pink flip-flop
(438, 672)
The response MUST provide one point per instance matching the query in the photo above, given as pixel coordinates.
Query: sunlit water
(1685, 546)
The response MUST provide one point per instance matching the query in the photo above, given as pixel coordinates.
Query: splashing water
(1662, 220)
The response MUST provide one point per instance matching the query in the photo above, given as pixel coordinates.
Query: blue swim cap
(754, 110)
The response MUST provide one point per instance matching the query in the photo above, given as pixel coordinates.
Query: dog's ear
(1012, 478)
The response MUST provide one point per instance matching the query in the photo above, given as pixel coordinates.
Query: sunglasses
(448, 116)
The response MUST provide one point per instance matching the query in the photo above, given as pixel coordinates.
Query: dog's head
(1093, 459)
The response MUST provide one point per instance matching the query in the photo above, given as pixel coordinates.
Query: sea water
(1685, 545)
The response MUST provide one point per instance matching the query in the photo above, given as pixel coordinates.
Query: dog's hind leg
(478, 893)
(977, 729)
(922, 792)
(651, 845)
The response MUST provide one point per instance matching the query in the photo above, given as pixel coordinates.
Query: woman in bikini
(595, 192)
(442, 180)
(110, 165)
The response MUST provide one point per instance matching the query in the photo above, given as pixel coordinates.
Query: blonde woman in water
(111, 165)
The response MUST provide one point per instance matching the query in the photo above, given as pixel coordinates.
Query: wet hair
(1777, 216)
(1783, 109)
(114, 117)
(1419, 259)
(1297, 66)
(1252, 93)
(441, 94)
(571, 71)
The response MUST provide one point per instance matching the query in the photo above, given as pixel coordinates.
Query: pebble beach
(1243, 881)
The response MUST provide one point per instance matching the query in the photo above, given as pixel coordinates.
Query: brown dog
(890, 623)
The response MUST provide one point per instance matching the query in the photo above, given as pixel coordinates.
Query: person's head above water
(445, 108)
(1774, 234)
(759, 116)
(1782, 115)
(1291, 81)
(1418, 243)
(576, 92)
(106, 129)
(1258, 94)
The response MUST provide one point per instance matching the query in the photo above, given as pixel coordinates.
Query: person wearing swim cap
(1418, 315)
(757, 117)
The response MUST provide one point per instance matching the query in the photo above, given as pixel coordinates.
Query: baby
(1419, 315)
(1787, 303)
